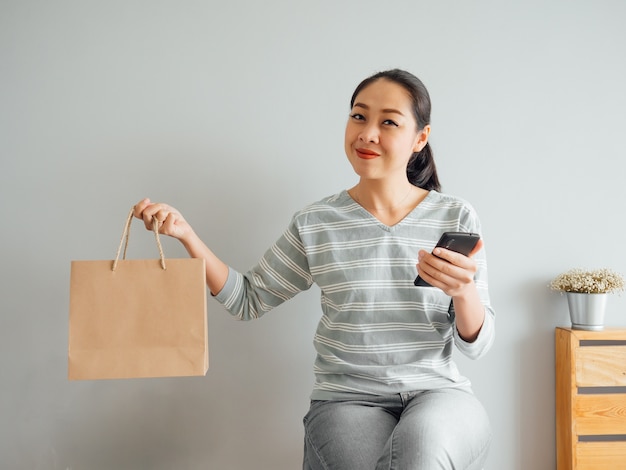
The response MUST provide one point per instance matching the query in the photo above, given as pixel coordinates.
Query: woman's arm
(454, 274)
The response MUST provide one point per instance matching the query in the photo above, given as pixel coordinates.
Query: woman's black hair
(421, 170)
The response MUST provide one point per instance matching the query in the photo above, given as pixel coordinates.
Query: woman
(387, 393)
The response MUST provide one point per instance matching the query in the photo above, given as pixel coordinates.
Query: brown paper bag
(137, 318)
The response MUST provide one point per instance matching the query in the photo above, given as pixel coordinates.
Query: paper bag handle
(126, 235)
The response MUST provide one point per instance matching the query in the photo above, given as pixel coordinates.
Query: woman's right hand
(171, 222)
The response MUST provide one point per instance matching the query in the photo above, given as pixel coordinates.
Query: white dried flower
(598, 281)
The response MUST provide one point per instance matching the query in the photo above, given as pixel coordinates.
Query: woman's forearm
(470, 314)
(216, 269)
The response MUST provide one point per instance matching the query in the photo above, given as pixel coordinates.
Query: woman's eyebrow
(386, 110)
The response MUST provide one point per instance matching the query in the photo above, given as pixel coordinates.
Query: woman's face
(381, 133)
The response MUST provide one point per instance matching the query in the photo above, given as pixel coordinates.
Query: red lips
(366, 154)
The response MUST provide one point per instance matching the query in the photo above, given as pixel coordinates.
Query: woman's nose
(369, 134)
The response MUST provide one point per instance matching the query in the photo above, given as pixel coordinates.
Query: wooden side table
(590, 399)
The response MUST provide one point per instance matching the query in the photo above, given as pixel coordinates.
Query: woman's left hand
(452, 272)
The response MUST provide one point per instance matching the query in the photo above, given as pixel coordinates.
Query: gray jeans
(438, 429)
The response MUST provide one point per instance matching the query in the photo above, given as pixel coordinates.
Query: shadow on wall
(536, 387)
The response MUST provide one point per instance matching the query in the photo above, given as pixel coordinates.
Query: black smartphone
(461, 242)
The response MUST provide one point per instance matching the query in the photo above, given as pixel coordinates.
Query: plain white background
(234, 112)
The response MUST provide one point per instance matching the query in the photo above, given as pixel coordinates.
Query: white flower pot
(586, 310)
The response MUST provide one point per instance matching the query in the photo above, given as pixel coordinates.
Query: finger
(450, 256)
(162, 214)
(168, 226)
(446, 273)
(152, 211)
(448, 281)
(431, 275)
(455, 257)
(139, 208)
(427, 266)
(145, 210)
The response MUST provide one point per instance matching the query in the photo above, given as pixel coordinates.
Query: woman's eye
(389, 122)
(357, 117)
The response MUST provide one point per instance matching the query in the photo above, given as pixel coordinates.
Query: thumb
(477, 248)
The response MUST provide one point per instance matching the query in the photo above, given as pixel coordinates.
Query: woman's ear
(422, 139)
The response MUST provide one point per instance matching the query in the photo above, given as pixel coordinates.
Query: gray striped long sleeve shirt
(378, 333)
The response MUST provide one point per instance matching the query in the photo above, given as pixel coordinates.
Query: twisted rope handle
(126, 236)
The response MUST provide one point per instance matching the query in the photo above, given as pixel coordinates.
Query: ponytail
(422, 171)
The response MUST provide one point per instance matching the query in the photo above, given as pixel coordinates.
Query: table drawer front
(601, 366)
(601, 456)
(602, 414)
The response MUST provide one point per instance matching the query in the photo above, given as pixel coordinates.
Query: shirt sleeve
(282, 273)
(486, 335)
(483, 342)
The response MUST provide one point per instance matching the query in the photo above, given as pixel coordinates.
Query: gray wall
(234, 112)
